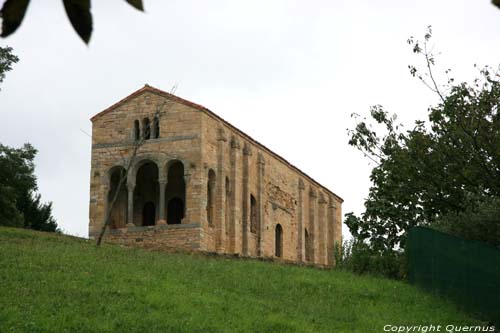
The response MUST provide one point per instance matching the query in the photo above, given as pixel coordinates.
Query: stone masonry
(200, 184)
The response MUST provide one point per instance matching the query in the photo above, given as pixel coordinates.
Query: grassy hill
(58, 283)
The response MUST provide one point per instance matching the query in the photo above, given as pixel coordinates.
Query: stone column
(220, 220)
(260, 203)
(332, 207)
(235, 149)
(161, 216)
(300, 228)
(312, 224)
(246, 198)
(130, 204)
(322, 236)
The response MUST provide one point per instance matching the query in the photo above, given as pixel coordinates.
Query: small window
(211, 197)
(146, 128)
(253, 214)
(137, 130)
(278, 241)
(156, 127)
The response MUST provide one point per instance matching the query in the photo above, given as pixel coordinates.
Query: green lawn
(58, 283)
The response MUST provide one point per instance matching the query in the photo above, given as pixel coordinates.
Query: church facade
(189, 180)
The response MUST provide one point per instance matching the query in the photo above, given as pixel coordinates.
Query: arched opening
(146, 128)
(146, 194)
(211, 197)
(137, 130)
(175, 211)
(118, 214)
(148, 213)
(278, 241)
(156, 127)
(253, 214)
(175, 193)
(307, 242)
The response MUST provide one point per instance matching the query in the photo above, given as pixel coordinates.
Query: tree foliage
(439, 167)
(480, 222)
(20, 205)
(7, 58)
(78, 12)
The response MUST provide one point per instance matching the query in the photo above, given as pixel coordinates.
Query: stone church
(197, 183)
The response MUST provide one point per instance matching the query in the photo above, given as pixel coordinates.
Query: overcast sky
(288, 73)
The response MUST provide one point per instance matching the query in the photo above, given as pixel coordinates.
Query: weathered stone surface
(253, 189)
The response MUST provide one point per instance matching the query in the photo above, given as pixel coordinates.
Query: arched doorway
(146, 194)
(148, 214)
(175, 193)
(278, 241)
(118, 214)
(175, 211)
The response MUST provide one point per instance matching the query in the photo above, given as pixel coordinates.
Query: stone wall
(184, 237)
(283, 194)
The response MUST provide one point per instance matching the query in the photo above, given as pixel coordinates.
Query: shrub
(359, 258)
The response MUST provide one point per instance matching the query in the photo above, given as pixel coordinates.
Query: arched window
(156, 127)
(137, 130)
(253, 214)
(211, 197)
(278, 241)
(146, 128)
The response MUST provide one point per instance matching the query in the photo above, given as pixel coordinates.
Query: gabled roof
(148, 88)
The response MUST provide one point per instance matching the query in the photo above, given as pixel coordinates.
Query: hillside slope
(58, 283)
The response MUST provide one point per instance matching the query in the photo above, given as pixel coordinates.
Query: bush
(359, 258)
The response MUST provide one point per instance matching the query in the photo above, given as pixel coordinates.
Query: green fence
(466, 271)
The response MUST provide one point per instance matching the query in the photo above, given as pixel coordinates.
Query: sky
(288, 73)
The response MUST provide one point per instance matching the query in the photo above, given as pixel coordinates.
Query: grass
(55, 283)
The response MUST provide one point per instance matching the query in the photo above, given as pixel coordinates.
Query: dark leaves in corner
(79, 15)
(496, 3)
(12, 14)
(137, 4)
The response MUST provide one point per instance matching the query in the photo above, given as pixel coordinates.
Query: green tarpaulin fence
(466, 271)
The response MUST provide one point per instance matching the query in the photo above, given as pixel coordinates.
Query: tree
(20, 205)
(440, 167)
(7, 58)
(78, 12)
